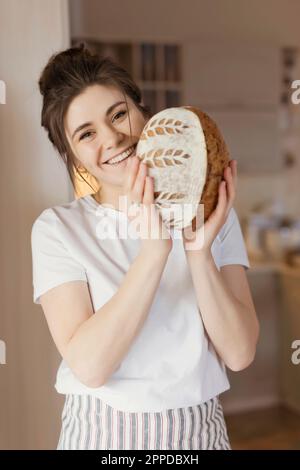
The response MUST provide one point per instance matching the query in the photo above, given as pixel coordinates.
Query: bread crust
(217, 160)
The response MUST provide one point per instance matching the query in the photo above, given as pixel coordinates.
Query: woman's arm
(224, 298)
(227, 309)
(93, 345)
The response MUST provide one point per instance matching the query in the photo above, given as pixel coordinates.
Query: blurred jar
(255, 235)
(281, 240)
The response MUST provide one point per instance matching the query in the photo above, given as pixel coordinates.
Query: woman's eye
(83, 136)
(121, 112)
(87, 134)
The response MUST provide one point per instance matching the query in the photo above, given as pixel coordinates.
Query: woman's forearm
(101, 342)
(230, 325)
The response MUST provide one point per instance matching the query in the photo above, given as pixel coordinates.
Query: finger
(137, 191)
(131, 171)
(230, 188)
(149, 191)
(234, 169)
(220, 210)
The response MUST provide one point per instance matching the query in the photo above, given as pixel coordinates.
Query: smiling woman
(82, 107)
(103, 129)
(140, 367)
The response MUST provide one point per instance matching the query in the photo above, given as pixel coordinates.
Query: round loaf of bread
(186, 155)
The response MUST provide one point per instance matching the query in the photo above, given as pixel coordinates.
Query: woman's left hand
(203, 237)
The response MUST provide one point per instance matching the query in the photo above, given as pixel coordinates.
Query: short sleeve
(52, 265)
(232, 246)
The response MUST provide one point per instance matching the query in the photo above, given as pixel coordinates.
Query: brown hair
(66, 75)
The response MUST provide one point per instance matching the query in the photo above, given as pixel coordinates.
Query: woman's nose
(110, 137)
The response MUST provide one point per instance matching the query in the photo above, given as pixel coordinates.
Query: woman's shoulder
(68, 209)
(230, 224)
(51, 223)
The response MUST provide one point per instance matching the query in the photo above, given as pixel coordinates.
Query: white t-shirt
(171, 363)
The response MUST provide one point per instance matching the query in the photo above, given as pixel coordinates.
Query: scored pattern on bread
(164, 200)
(180, 165)
(161, 195)
(161, 127)
(164, 157)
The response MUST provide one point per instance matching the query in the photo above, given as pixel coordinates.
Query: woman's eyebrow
(86, 124)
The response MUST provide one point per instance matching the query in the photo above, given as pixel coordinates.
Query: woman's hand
(139, 188)
(203, 237)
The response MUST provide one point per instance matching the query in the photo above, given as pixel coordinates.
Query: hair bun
(57, 66)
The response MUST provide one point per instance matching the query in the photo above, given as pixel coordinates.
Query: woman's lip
(130, 155)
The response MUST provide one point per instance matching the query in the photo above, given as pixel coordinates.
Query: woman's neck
(112, 199)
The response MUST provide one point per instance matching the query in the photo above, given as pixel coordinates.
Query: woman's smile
(121, 161)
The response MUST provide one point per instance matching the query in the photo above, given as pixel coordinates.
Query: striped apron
(90, 424)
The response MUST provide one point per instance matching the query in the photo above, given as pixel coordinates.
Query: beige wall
(274, 21)
(31, 180)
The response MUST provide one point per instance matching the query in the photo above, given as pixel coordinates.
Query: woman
(146, 325)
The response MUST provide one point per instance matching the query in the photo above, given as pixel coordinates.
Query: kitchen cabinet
(272, 378)
(258, 385)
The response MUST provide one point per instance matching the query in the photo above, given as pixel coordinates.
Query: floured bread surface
(186, 154)
(173, 146)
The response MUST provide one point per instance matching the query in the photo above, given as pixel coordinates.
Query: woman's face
(97, 128)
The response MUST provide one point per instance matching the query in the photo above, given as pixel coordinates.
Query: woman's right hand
(139, 188)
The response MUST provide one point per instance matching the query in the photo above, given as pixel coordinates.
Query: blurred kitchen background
(234, 59)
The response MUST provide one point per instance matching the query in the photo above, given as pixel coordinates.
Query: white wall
(32, 178)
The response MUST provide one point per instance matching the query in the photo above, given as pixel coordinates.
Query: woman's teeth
(123, 156)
